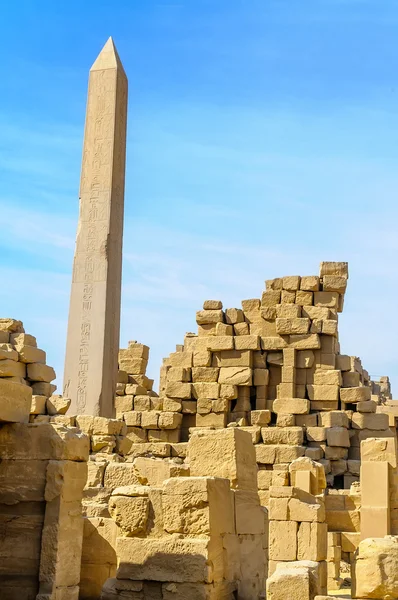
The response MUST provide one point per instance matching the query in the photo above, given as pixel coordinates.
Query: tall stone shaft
(94, 314)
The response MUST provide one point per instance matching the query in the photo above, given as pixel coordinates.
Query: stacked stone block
(43, 470)
(25, 378)
(147, 418)
(297, 527)
(192, 537)
(274, 366)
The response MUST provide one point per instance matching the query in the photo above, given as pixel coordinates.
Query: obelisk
(94, 314)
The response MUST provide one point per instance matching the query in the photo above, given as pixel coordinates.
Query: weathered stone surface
(168, 559)
(227, 453)
(15, 401)
(43, 442)
(375, 574)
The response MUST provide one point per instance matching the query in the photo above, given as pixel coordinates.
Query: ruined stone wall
(273, 368)
(43, 469)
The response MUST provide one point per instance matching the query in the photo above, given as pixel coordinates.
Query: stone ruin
(265, 467)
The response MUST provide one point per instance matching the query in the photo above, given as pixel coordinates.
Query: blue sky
(262, 139)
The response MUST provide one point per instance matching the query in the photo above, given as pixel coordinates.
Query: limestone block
(209, 316)
(61, 546)
(65, 478)
(57, 405)
(272, 284)
(343, 363)
(283, 540)
(327, 377)
(11, 326)
(85, 423)
(260, 417)
(31, 354)
(206, 390)
(288, 311)
(316, 434)
(310, 420)
(291, 283)
(181, 359)
(11, 368)
(197, 506)
(133, 365)
(343, 520)
(241, 329)
(22, 339)
(279, 435)
(283, 420)
(312, 541)
(316, 313)
(334, 268)
(294, 406)
(304, 298)
(39, 372)
(264, 477)
(292, 326)
(120, 474)
(268, 298)
(335, 453)
(270, 343)
(15, 401)
(367, 406)
(22, 481)
(95, 474)
(132, 418)
(309, 283)
(334, 283)
(326, 299)
(247, 342)
(336, 418)
(374, 450)
(375, 573)
(219, 342)
(42, 442)
(204, 374)
(288, 297)
(351, 378)
(337, 436)
(103, 443)
(104, 426)
(8, 352)
(355, 394)
(226, 453)
(223, 329)
(306, 511)
(308, 341)
(278, 453)
(233, 316)
(182, 374)
(235, 375)
(169, 559)
(350, 541)
(375, 421)
(38, 406)
(169, 420)
(234, 358)
(323, 392)
(316, 470)
(212, 305)
(131, 512)
(42, 388)
(180, 390)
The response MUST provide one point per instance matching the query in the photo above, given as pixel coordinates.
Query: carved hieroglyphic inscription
(94, 318)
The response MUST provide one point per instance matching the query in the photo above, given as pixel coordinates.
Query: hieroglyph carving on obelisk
(94, 315)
